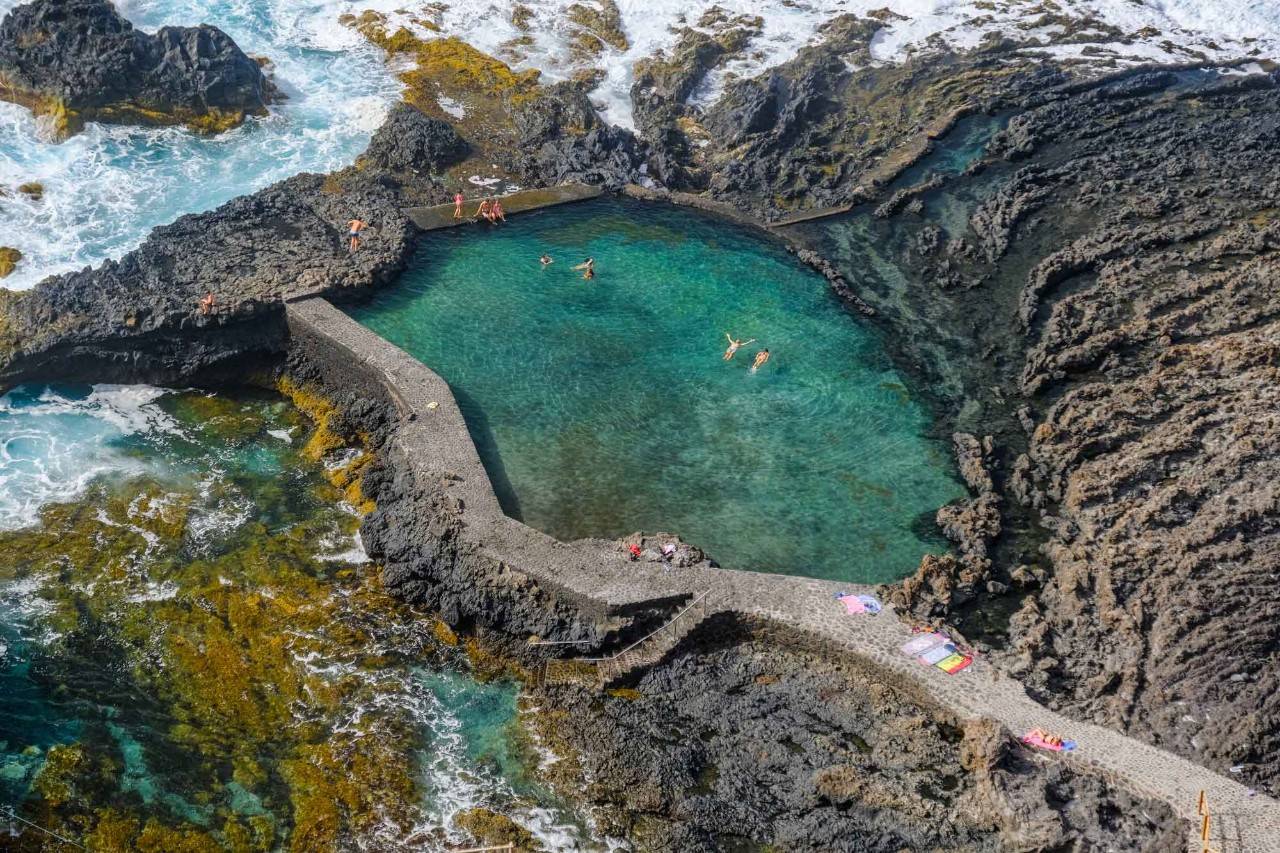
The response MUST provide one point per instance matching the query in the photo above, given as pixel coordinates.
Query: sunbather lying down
(1044, 740)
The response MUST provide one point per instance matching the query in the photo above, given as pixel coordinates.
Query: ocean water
(603, 407)
(195, 651)
(107, 187)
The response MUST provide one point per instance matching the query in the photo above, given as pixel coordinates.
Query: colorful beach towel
(860, 603)
(919, 645)
(1037, 741)
(938, 654)
(953, 663)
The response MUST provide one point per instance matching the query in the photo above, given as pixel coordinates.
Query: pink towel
(852, 604)
(1036, 740)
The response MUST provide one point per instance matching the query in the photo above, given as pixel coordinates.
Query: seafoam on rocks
(1154, 30)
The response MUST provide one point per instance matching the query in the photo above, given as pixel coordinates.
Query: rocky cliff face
(1097, 293)
(73, 61)
(139, 318)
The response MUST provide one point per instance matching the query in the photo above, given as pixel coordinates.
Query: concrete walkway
(441, 215)
(594, 574)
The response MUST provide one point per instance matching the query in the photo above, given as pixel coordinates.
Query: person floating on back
(761, 358)
(495, 212)
(546, 260)
(482, 212)
(457, 205)
(206, 304)
(588, 268)
(354, 227)
(734, 346)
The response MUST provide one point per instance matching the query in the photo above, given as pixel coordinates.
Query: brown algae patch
(235, 683)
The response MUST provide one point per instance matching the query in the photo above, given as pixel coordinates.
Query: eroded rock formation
(73, 61)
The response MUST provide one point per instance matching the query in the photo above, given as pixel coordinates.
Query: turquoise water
(603, 407)
(195, 653)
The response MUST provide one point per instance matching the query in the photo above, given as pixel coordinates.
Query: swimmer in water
(588, 268)
(761, 358)
(354, 227)
(546, 260)
(734, 346)
(457, 205)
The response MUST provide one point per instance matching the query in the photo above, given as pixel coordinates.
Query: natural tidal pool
(195, 653)
(603, 407)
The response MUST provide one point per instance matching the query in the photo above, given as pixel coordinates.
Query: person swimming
(546, 260)
(588, 268)
(354, 227)
(734, 346)
(761, 358)
(457, 205)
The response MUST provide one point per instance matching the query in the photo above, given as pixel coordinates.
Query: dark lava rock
(740, 740)
(137, 319)
(410, 141)
(79, 60)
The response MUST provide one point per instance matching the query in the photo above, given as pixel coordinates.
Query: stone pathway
(441, 215)
(595, 575)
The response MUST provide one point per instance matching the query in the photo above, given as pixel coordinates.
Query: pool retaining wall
(437, 465)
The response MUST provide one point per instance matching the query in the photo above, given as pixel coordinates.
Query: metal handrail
(653, 633)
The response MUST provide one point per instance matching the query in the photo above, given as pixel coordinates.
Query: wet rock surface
(79, 60)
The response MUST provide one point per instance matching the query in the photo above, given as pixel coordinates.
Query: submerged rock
(72, 61)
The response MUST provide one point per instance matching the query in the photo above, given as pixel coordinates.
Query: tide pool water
(196, 655)
(107, 187)
(603, 407)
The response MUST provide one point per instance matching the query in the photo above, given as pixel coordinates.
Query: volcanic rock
(72, 61)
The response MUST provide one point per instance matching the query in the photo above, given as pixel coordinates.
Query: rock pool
(196, 655)
(603, 407)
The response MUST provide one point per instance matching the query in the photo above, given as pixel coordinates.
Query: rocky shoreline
(1091, 292)
(79, 61)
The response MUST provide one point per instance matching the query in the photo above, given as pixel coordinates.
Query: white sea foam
(108, 186)
(1223, 29)
(52, 445)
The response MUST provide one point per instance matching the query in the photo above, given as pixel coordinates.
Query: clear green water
(603, 407)
(195, 656)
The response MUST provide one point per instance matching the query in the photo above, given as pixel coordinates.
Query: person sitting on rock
(206, 304)
(495, 212)
(354, 227)
(457, 205)
(482, 212)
